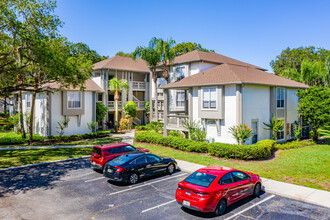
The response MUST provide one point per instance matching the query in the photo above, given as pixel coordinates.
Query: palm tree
(152, 57)
(274, 125)
(117, 85)
(167, 53)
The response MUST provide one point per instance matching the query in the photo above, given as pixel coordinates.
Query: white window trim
(175, 103)
(216, 99)
(280, 99)
(183, 71)
(67, 100)
(28, 100)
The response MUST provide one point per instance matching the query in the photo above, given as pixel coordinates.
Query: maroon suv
(103, 153)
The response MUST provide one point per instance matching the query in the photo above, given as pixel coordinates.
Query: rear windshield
(124, 158)
(200, 179)
(97, 150)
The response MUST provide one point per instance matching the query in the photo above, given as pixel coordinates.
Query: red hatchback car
(213, 188)
(103, 153)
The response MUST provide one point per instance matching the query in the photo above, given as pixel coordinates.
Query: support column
(190, 103)
(166, 110)
(130, 89)
(150, 97)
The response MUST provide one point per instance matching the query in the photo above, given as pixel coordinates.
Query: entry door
(255, 132)
(211, 129)
(111, 121)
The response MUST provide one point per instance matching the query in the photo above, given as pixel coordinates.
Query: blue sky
(248, 30)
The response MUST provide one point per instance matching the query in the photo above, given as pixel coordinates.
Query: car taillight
(119, 169)
(202, 194)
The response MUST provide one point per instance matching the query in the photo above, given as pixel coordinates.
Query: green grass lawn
(308, 166)
(13, 158)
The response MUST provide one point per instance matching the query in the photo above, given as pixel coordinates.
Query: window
(209, 98)
(180, 98)
(74, 100)
(153, 158)
(117, 150)
(178, 73)
(280, 97)
(280, 133)
(28, 100)
(129, 148)
(200, 179)
(226, 179)
(140, 160)
(239, 176)
(255, 132)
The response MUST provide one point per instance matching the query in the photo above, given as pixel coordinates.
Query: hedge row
(262, 149)
(19, 140)
(294, 144)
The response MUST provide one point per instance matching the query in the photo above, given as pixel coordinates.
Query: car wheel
(221, 207)
(133, 178)
(170, 168)
(257, 189)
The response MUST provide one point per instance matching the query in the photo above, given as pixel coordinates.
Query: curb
(41, 164)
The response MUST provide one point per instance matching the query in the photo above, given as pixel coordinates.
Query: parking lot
(71, 190)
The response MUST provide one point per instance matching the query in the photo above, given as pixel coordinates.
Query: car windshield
(200, 179)
(123, 159)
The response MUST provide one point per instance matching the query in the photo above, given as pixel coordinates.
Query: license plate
(188, 193)
(186, 203)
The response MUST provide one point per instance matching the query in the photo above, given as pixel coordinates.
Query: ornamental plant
(241, 132)
(274, 125)
(101, 111)
(130, 110)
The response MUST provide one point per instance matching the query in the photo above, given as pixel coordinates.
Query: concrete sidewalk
(301, 193)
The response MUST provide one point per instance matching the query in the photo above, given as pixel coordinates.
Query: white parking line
(146, 210)
(146, 184)
(94, 179)
(244, 210)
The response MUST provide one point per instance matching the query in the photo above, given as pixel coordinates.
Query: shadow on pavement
(229, 208)
(22, 180)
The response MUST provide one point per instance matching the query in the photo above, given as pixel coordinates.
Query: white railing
(111, 105)
(137, 121)
(140, 104)
(139, 85)
(160, 116)
(177, 120)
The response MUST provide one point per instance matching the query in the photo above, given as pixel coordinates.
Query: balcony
(176, 122)
(111, 105)
(140, 105)
(139, 85)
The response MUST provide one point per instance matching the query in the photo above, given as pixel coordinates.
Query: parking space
(72, 190)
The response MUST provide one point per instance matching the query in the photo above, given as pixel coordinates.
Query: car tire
(257, 190)
(221, 207)
(133, 178)
(170, 168)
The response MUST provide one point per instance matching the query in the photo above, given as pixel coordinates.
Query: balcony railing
(160, 116)
(139, 85)
(111, 105)
(140, 104)
(176, 121)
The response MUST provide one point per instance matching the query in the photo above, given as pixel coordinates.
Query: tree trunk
(21, 119)
(5, 106)
(32, 117)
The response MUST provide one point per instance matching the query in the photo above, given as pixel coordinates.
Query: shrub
(14, 119)
(274, 125)
(198, 135)
(175, 134)
(62, 125)
(101, 111)
(155, 126)
(19, 139)
(91, 125)
(262, 149)
(241, 132)
(294, 144)
(130, 109)
(123, 123)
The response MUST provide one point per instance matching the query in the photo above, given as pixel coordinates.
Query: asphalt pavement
(72, 190)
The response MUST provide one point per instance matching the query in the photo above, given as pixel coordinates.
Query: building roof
(89, 85)
(212, 57)
(229, 74)
(122, 63)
